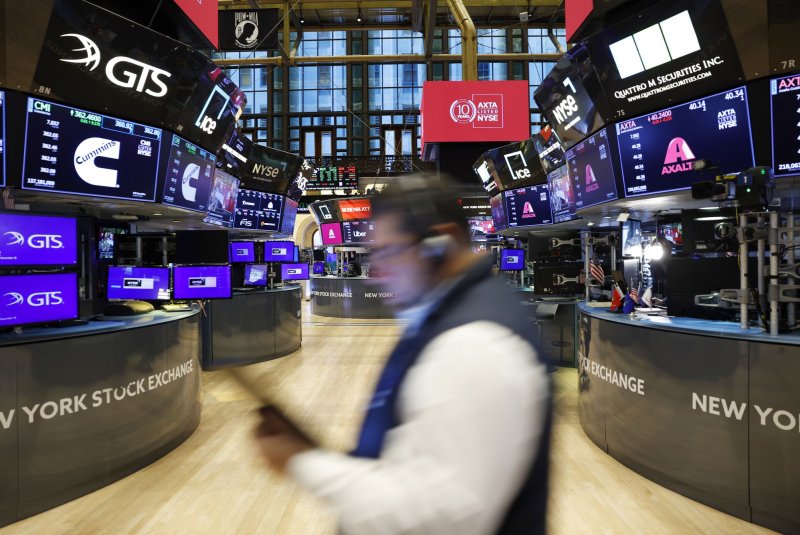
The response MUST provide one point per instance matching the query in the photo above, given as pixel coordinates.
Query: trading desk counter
(81, 407)
(254, 326)
(700, 407)
(348, 297)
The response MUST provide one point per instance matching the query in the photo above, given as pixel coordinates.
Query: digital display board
(591, 171)
(255, 274)
(358, 232)
(222, 201)
(38, 298)
(202, 282)
(2, 138)
(512, 259)
(562, 195)
(147, 284)
(257, 210)
(528, 206)
(340, 177)
(657, 150)
(269, 169)
(331, 233)
(785, 105)
(551, 153)
(294, 272)
(242, 251)
(278, 251)
(35, 240)
(325, 211)
(235, 152)
(289, 216)
(189, 175)
(498, 213)
(480, 226)
(69, 150)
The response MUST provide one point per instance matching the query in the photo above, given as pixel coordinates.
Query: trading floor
(215, 483)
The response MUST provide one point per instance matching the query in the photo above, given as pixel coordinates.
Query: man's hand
(279, 439)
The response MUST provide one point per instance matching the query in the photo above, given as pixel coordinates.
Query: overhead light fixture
(157, 213)
(302, 18)
(623, 216)
(714, 218)
(654, 251)
(359, 13)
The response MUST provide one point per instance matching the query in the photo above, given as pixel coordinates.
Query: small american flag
(634, 293)
(596, 271)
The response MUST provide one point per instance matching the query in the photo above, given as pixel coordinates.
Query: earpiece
(436, 247)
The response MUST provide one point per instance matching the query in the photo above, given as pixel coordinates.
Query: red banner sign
(203, 13)
(355, 209)
(575, 12)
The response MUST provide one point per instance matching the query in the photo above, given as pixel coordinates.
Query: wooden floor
(215, 484)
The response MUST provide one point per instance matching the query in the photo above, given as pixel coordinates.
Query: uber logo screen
(190, 172)
(69, 150)
(358, 231)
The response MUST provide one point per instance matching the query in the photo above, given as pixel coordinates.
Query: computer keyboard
(176, 307)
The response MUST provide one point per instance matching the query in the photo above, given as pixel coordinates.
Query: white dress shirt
(472, 410)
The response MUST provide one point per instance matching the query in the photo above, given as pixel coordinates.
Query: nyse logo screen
(70, 150)
(28, 299)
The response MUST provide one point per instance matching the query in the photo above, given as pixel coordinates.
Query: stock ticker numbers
(334, 178)
(785, 100)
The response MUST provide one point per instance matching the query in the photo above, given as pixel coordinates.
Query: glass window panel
(374, 72)
(390, 98)
(309, 77)
(295, 78)
(310, 148)
(407, 144)
(294, 121)
(341, 144)
(325, 100)
(454, 72)
(309, 101)
(358, 75)
(246, 78)
(294, 146)
(325, 145)
(375, 99)
(386, 119)
(454, 41)
(438, 71)
(341, 132)
(306, 121)
(358, 147)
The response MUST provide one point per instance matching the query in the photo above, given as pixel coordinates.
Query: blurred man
(456, 437)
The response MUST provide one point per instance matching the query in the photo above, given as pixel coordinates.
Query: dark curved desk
(254, 326)
(700, 407)
(348, 297)
(85, 406)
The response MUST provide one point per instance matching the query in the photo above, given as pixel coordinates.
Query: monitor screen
(331, 258)
(278, 251)
(242, 251)
(2, 138)
(146, 284)
(201, 247)
(512, 259)
(235, 152)
(34, 240)
(656, 151)
(294, 272)
(331, 233)
(289, 216)
(325, 211)
(481, 225)
(69, 150)
(528, 206)
(269, 169)
(498, 213)
(38, 298)
(357, 208)
(343, 177)
(518, 164)
(222, 202)
(562, 195)
(358, 232)
(551, 153)
(319, 268)
(785, 94)
(591, 171)
(257, 210)
(189, 174)
(202, 282)
(255, 274)
(105, 241)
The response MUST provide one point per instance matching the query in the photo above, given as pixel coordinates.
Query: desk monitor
(255, 274)
(512, 260)
(319, 268)
(36, 240)
(142, 283)
(201, 247)
(296, 271)
(37, 298)
(242, 251)
(278, 251)
(202, 282)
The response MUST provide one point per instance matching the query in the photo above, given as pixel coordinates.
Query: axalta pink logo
(679, 157)
(591, 180)
(789, 83)
(527, 211)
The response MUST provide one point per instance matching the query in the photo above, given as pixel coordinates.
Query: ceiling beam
(375, 58)
(374, 4)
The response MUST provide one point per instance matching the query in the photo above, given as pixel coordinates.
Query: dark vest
(477, 297)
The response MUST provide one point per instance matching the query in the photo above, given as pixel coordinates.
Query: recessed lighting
(709, 208)
(177, 220)
(713, 218)
(157, 213)
(590, 224)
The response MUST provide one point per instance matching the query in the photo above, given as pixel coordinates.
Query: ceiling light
(713, 218)
(157, 213)
(654, 251)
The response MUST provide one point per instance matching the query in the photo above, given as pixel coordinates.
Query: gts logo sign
(35, 241)
(38, 299)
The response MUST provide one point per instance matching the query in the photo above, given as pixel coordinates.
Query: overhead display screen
(257, 210)
(331, 233)
(517, 165)
(202, 282)
(34, 240)
(657, 150)
(148, 284)
(222, 202)
(289, 216)
(2, 138)
(571, 99)
(269, 169)
(340, 177)
(551, 153)
(325, 211)
(528, 206)
(358, 232)
(38, 298)
(562, 195)
(785, 94)
(68, 150)
(670, 52)
(498, 213)
(235, 152)
(189, 175)
(591, 171)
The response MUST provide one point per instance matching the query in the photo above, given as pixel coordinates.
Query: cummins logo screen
(70, 150)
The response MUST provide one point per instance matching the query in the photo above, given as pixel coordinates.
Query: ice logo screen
(85, 161)
(678, 158)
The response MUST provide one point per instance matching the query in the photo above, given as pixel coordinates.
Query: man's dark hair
(421, 202)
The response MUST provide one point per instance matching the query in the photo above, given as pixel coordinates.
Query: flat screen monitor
(325, 211)
(591, 171)
(31, 299)
(512, 259)
(358, 232)
(278, 251)
(318, 268)
(296, 254)
(242, 251)
(331, 258)
(258, 210)
(551, 153)
(336, 177)
(107, 236)
(498, 213)
(143, 283)
(2, 138)
(480, 226)
(656, 151)
(222, 202)
(189, 175)
(235, 152)
(785, 103)
(255, 274)
(269, 169)
(331, 233)
(562, 195)
(201, 247)
(527, 207)
(202, 282)
(359, 208)
(70, 150)
(294, 272)
(289, 216)
(38, 240)
(517, 165)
